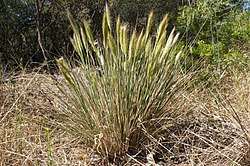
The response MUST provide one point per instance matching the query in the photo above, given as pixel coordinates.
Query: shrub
(216, 31)
(135, 94)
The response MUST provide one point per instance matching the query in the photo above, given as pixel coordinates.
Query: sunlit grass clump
(126, 92)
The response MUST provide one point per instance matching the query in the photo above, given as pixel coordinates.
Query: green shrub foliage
(217, 31)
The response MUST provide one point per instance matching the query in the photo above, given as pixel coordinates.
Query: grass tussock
(133, 96)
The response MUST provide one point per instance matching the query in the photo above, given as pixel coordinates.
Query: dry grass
(215, 130)
(28, 134)
(209, 133)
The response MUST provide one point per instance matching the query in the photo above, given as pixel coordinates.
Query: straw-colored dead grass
(208, 134)
(28, 135)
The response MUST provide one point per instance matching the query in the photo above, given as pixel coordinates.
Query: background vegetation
(33, 31)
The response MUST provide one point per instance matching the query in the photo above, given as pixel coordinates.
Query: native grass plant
(133, 93)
